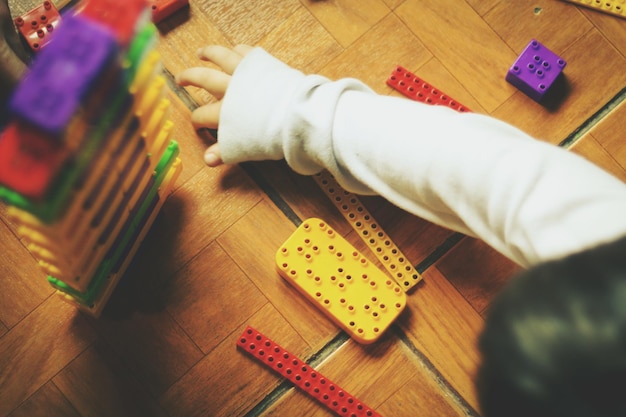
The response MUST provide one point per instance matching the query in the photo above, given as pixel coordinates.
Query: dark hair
(554, 342)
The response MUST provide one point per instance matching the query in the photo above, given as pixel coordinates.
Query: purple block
(535, 70)
(63, 74)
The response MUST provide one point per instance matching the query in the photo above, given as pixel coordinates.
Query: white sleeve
(529, 200)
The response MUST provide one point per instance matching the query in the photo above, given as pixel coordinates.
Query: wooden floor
(166, 343)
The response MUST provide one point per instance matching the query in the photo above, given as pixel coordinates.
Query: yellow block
(341, 282)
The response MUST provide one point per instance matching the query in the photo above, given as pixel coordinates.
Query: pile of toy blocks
(88, 159)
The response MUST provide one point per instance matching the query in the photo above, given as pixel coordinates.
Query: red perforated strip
(301, 375)
(419, 90)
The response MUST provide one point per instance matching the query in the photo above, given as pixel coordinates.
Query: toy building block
(364, 224)
(351, 291)
(125, 243)
(300, 374)
(535, 70)
(37, 25)
(62, 76)
(161, 9)
(111, 270)
(612, 7)
(417, 89)
(123, 18)
(29, 161)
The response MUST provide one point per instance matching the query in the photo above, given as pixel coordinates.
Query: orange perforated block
(302, 375)
(332, 274)
(364, 224)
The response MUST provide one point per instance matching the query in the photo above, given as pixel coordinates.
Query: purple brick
(63, 74)
(535, 70)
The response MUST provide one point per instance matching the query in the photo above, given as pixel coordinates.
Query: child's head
(554, 342)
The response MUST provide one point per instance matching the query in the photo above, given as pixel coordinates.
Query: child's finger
(207, 116)
(212, 156)
(242, 49)
(214, 81)
(225, 58)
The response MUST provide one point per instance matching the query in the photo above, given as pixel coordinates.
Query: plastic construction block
(169, 167)
(29, 160)
(535, 70)
(417, 89)
(364, 224)
(112, 270)
(342, 283)
(124, 18)
(37, 25)
(613, 7)
(299, 373)
(162, 9)
(63, 74)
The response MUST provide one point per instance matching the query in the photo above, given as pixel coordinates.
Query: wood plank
(21, 7)
(555, 24)
(347, 20)
(593, 75)
(37, 348)
(48, 401)
(385, 374)
(180, 38)
(376, 54)
(308, 48)
(610, 133)
(211, 297)
(477, 271)
(97, 383)
(191, 144)
(151, 343)
(591, 149)
(265, 230)
(247, 23)
(392, 4)
(612, 27)
(192, 217)
(483, 6)
(467, 47)
(227, 382)
(23, 283)
(444, 327)
(290, 187)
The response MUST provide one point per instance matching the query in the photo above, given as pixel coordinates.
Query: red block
(37, 25)
(29, 160)
(122, 17)
(302, 375)
(419, 90)
(163, 8)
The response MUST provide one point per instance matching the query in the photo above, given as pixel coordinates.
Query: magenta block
(63, 74)
(535, 70)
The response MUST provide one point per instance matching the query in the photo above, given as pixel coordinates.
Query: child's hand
(216, 83)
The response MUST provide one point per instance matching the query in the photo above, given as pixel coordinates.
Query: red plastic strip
(302, 375)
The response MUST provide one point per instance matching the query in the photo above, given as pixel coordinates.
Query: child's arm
(472, 173)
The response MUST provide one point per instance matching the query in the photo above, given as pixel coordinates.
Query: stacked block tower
(88, 159)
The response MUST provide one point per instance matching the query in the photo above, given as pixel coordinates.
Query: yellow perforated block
(614, 7)
(364, 224)
(338, 279)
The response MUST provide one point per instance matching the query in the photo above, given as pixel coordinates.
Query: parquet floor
(166, 343)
